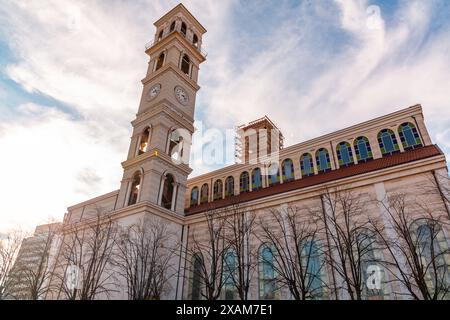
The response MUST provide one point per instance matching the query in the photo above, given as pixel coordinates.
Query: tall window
(185, 64)
(288, 170)
(196, 277)
(244, 182)
(194, 196)
(433, 251)
(362, 149)
(175, 145)
(229, 275)
(195, 40)
(229, 187)
(312, 260)
(144, 141)
(369, 258)
(256, 179)
(218, 189)
(160, 35)
(160, 61)
(344, 154)
(387, 141)
(274, 174)
(172, 26)
(183, 29)
(167, 191)
(204, 194)
(323, 160)
(409, 136)
(306, 165)
(135, 189)
(267, 279)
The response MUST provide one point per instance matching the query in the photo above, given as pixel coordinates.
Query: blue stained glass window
(387, 141)
(363, 150)
(229, 274)
(323, 160)
(409, 136)
(344, 154)
(306, 165)
(256, 179)
(267, 289)
(274, 174)
(288, 170)
(312, 261)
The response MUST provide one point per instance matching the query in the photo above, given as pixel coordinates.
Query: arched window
(185, 64)
(244, 182)
(432, 250)
(160, 35)
(362, 149)
(172, 26)
(229, 274)
(144, 141)
(306, 165)
(312, 262)
(196, 286)
(409, 136)
(204, 194)
(323, 160)
(387, 141)
(175, 145)
(229, 187)
(288, 170)
(194, 196)
(267, 278)
(195, 40)
(256, 179)
(274, 174)
(135, 189)
(370, 257)
(160, 61)
(218, 189)
(344, 154)
(167, 191)
(183, 29)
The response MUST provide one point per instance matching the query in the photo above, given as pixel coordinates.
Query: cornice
(315, 143)
(167, 109)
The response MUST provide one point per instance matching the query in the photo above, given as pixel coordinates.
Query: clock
(181, 95)
(153, 92)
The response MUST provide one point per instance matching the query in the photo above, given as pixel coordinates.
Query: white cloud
(51, 160)
(313, 68)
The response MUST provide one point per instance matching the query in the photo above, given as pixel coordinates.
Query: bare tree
(144, 255)
(206, 252)
(85, 260)
(240, 258)
(9, 248)
(297, 251)
(31, 272)
(350, 243)
(417, 252)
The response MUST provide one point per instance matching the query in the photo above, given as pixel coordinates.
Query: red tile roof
(345, 172)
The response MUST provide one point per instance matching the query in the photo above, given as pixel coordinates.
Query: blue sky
(70, 81)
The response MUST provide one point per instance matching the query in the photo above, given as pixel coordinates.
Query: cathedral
(374, 160)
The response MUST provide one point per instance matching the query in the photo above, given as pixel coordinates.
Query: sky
(70, 76)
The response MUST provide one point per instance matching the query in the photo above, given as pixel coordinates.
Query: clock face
(181, 95)
(153, 92)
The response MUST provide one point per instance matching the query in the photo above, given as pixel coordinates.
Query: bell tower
(157, 165)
